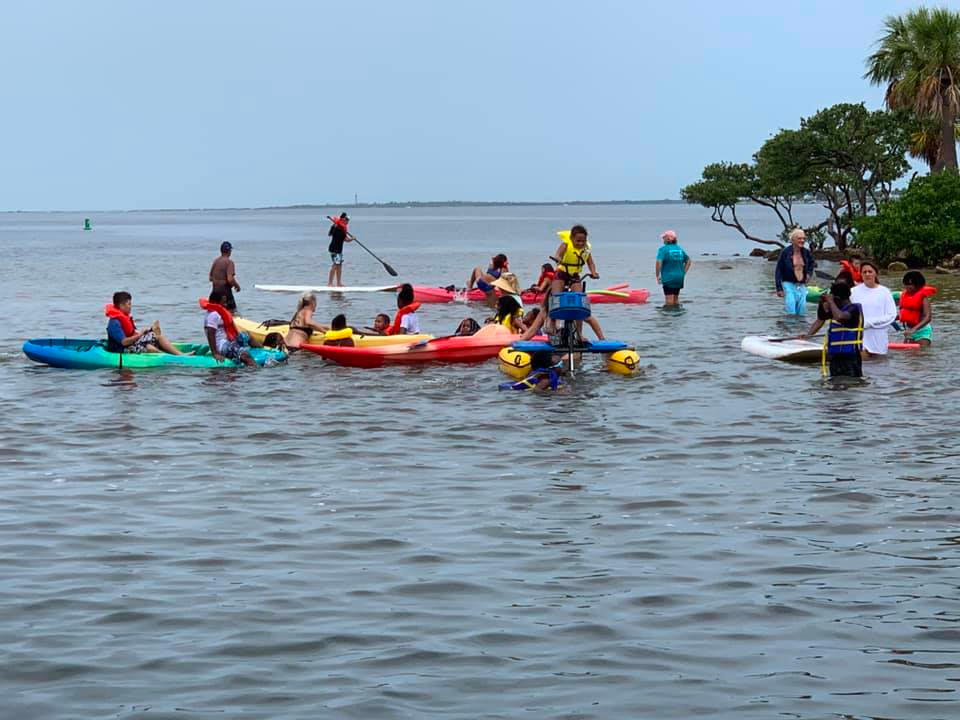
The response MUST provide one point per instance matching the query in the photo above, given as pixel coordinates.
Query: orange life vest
(848, 266)
(546, 275)
(224, 314)
(126, 322)
(405, 310)
(911, 306)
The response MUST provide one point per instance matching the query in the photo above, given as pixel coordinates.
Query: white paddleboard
(326, 288)
(790, 350)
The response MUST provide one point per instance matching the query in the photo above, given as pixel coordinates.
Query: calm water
(720, 537)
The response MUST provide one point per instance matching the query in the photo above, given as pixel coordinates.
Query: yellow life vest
(338, 334)
(508, 321)
(572, 260)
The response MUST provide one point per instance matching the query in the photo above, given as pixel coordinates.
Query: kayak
(258, 331)
(327, 288)
(482, 345)
(790, 350)
(814, 292)
(87, 354)
(625, 296)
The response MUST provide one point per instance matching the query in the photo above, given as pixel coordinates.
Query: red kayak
(617, 294)
(486, 343)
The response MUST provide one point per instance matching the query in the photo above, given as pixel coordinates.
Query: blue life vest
(843, 339)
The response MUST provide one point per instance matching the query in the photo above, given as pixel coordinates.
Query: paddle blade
(389, 269)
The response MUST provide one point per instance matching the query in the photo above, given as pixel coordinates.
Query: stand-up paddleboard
(777, 349)
(326, 288)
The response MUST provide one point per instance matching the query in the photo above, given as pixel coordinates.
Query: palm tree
(919, 59)
(925, 139)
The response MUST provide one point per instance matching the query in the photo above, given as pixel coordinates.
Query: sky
(126, 104)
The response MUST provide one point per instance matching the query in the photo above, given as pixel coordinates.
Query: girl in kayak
(509, 314)
(484, 278)
(672, 266)
(547, 274)
(302, 324)
(406, 322)
(915, 310)
(879, 309)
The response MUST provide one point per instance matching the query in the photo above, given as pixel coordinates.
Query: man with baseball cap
(223, 276)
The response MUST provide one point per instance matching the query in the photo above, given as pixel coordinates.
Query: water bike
(571, 309)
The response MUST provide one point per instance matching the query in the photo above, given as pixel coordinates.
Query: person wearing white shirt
(879, 309)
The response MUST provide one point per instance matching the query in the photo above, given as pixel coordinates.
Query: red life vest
(126, 322)
(405, 310)
(339, 223)
(911, 306)
(848, 266)
(224, 314)
(546, 275)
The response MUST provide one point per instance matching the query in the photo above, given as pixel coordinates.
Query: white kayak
(326, 288)
(779, 349)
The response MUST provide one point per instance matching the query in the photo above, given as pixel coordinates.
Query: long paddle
(386, 265)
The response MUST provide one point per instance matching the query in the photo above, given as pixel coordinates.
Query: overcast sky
(228, 103)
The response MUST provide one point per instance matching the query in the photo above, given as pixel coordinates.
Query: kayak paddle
(386, 266)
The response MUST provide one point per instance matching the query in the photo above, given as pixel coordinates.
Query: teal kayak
(814, 292)
(92, 354)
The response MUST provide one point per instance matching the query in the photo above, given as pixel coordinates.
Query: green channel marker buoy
(86, 224)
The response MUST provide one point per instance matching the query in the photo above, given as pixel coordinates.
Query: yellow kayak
(258, 331)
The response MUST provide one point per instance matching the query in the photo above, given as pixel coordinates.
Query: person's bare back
(221, 271)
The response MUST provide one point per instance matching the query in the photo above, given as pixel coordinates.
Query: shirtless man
(794, 268)
(223, 276)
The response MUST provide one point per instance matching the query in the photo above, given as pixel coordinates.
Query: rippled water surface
(722, 536)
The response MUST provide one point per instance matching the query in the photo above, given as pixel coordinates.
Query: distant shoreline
(388, 205)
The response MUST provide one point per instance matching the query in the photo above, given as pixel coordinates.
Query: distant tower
(354, 199)
(86, 224)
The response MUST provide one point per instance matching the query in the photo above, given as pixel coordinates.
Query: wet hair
(405, 296)
(840, 290)
(339, 322)
(217, 296)
(383, 317)
(541, 360)
(869, 263)
(499, 261)
(845, 277)
(507, 305)
(911, 277)
(578, 230)
(121, 297)
(467, 326)
(274, 340)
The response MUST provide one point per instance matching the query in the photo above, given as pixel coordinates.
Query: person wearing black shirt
(338, 235)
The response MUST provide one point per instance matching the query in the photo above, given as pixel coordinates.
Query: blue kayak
(92, 354)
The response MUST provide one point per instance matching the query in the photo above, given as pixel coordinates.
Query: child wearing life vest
(844, 339)
(222, 335)
(915, 311)
(573, 254)
(339, 333)
(547, 274)
(406, 321)
(122, 333)
(509, 314)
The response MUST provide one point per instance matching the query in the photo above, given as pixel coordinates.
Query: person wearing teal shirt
(672, 266)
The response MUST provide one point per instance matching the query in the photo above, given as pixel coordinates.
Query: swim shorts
(140, 346)
(924, 333)
(336, 258)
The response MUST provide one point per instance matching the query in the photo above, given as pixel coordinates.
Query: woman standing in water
(672, 266)
(879, 309)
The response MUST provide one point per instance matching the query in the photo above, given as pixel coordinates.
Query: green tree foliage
(918, 58)
(923, 225)
(845, 155)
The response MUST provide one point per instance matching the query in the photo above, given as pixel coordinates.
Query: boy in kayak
(122, 333)
(406, 321)
(339, 333)
(380, 324)
(844, 339)
(222, 336)
(915, 310)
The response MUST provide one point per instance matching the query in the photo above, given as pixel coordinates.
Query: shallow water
(721, 536)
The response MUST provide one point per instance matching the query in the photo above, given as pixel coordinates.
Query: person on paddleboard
(223, 276)
(338, 235)
(672, 267)
(794, 267)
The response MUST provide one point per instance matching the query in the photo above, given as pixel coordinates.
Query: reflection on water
(717, 536)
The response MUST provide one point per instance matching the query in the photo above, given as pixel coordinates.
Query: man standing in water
(794, 268)
(223, 277)
(338, 235)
